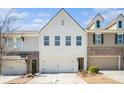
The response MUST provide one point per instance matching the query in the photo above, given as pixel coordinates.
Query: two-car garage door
(60, 65)
(105, 63)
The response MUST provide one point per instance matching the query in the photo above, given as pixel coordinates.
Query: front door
(80, 63)
(34, 67)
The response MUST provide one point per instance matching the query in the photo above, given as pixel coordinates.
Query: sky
(36, 18)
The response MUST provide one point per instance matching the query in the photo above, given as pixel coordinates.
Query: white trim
(105, 56)
(119, 59)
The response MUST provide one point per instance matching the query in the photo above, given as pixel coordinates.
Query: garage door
(60, 65)
(104, 63)
(12, 67)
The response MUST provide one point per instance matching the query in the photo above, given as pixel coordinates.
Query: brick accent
(108, 51)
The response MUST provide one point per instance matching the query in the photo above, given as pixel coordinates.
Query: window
(78, 40)
(46, 40)
(120, 38)
(68, 40)
(10, 42)
(57, 40)
(98, 38)
(18, 43)
(97, 24)
(119, 24)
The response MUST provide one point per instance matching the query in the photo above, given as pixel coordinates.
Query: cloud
(44, 15)
(37, 20)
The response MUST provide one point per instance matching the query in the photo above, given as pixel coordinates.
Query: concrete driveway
(4, 79)
(116, 75)
(60, 78)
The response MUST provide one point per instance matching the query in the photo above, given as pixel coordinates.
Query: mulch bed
(97, 79)
(21, 80)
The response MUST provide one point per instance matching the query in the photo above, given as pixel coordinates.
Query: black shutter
(123, 38)
(94, 39)
(102, 38)
(115, 38)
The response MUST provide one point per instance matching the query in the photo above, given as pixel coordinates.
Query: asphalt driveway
(116, 75)
(60, 78)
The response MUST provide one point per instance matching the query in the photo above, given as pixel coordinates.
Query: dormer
(96, 23)
(120, 22)
(117, 23)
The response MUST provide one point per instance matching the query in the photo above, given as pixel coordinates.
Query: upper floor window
(46, 40)
(78, 40)
(57, 40)
(18, 43)
(98, 24)
(10, 42)
(119, 24)
(98, 38)
(68, 40)
(120, 38)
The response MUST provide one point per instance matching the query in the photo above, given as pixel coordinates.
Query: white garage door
(60, 65)
(14, 67)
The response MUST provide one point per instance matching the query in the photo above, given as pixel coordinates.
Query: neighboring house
(26, 45)
(106, 45)
(63, 45)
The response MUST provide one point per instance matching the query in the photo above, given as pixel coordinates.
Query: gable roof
(113, 22)
(93, 20)
(68, 15)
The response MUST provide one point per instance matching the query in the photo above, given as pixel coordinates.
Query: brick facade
(110, 51)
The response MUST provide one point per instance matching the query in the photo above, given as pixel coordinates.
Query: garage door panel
(60, 65)
(104, 63)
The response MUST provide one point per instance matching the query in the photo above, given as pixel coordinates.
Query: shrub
(93, 69)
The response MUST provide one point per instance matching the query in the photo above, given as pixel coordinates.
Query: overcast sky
(36, 18)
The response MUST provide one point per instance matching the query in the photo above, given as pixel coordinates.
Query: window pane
(18, 43)
(68, 40)
(78, 40)
(10, 42)
(57, 40)
(120, 38)
(46, 40)
(120, 24)
(98, 38)
(98, 24)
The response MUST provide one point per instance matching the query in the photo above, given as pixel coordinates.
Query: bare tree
(8, 24)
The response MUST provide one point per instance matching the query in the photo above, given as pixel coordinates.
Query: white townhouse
(62, 45)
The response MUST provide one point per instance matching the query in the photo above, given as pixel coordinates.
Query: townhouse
(63, 45)
(106, 45)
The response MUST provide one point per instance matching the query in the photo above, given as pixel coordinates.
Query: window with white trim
(18, 43)
(120, 24)
(78, 40)
(98, 24)
(98, 38)
(68, 40)
(57, 40)
(120, 38)
(46, 40)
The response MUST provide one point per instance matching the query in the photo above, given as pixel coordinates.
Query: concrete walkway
(116, 75)
(61, 78)
(4, 79)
